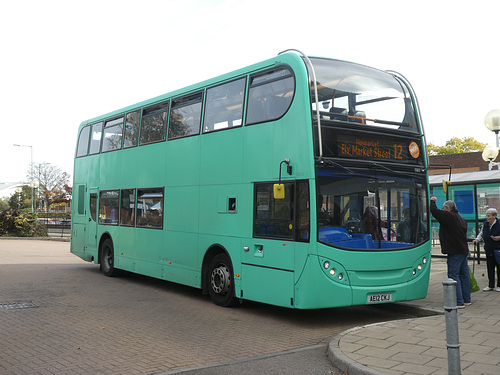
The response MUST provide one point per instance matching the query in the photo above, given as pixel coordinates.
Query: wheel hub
(220, 280)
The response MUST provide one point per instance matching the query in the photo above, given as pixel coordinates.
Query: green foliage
(4, 204)
(456, 146)
(14, 223)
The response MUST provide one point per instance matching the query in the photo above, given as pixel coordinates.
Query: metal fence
(58, 224)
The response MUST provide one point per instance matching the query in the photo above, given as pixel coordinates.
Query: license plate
(375, 298)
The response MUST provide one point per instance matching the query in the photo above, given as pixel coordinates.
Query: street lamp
(490, 153)
(31, 172)
(492, 122)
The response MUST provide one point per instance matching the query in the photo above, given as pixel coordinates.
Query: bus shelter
(473, 193)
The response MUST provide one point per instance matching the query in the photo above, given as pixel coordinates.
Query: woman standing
(490, 234)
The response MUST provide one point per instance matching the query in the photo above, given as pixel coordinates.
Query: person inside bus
(372, 223)
(490, 234)
(322, 212)
(404, 228)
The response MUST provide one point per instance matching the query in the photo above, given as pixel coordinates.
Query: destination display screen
(378, 148)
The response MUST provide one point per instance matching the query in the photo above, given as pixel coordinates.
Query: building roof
(9, 188)
(468, 177)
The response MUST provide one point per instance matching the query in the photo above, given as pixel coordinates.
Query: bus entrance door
(91, 232)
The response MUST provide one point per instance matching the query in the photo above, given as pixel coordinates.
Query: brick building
(460, 163)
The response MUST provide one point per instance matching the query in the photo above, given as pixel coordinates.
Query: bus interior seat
(360, 117)
(334, 234)
(338, 113)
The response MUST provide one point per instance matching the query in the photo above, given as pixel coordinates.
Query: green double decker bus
(298, 182)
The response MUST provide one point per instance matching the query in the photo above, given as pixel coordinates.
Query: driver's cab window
(286, 218)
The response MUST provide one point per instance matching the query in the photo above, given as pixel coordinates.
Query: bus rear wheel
(107, 258)
(220, 281)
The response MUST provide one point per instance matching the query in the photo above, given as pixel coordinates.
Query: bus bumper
(325, 283)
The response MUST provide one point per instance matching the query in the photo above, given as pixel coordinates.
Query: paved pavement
(59, 315)
(418, 346)
(81, 324)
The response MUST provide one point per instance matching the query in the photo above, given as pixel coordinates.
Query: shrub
(14, 223)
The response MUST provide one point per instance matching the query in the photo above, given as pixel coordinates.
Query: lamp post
(31, 173)
(492, 122)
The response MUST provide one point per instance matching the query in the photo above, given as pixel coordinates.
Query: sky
(62, 62)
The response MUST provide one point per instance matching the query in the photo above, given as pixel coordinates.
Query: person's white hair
(492, 211)
(450, 204)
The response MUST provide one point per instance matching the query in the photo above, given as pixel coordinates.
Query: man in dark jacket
(453, 239)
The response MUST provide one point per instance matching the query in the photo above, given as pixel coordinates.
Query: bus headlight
(333, 270)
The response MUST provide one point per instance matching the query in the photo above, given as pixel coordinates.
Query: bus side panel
(222, 157)
(181, 207)
(129, 169)
(181, 258)
(182, 162)
(216, 215)
(258, 146)
(78, 240)
(151, 166)
(125, 249)
(149, 252)
(267, 285)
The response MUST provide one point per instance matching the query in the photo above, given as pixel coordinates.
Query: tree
(4, 204)
(21, 199)
(53, 183)
(456, 145)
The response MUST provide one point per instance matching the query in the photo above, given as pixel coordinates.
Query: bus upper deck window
(270, 95)
(185, 116)
(95, 139)
(224, 106)
(154, 123)
(83, 142)
(112, 136)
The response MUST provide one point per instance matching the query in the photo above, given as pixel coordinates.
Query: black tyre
(221, 282)
(107, 258)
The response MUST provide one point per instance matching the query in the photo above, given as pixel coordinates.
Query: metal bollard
(451, 316)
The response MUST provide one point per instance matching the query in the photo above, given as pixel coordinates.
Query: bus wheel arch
(218, 277)
(107, 255)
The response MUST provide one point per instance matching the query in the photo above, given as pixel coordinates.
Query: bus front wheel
(220, 281)
(107, 258)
